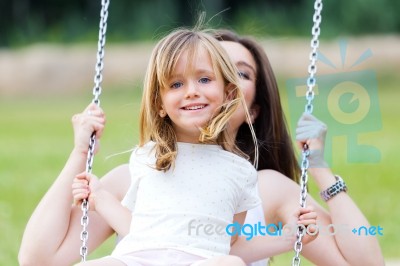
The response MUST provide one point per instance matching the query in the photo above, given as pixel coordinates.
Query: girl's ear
(162, 113)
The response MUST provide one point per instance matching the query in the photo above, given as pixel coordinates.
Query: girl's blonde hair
(163, 60)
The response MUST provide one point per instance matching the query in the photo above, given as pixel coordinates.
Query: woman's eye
(243, 75)
(204, 80)
(176, 85)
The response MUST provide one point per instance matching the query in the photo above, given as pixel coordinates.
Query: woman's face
(246, 65)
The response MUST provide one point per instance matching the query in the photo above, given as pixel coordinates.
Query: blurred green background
(26, 21)
(47, 57)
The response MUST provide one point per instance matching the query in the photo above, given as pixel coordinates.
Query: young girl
(187, 182)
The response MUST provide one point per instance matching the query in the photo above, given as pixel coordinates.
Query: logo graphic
(347, 101)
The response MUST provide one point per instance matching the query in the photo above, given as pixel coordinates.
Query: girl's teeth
(194, 107)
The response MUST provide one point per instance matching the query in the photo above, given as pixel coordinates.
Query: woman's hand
(92, 119)
(312, 132)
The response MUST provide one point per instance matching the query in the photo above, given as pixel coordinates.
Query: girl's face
(246, 65)
(193, 96)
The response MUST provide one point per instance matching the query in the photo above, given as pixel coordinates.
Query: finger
(80, 185)
(92, 118)
(98, 128)
(307, 209)
(308, 122)
(79, 198)
(303, 211)
(87, 122)
(93, 122)
(87, 179)
(311, 126)
(308, 215)
(310, 134)
(308, 117)
(306, 219)
(81, 191)
(83, 176)
(95, 113)
(308, 222)
(91, 107)
(80, 178)
(316, 130)
(304, 123)
(91, 177)
(306, 135)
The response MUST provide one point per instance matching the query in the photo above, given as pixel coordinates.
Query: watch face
(338, 178)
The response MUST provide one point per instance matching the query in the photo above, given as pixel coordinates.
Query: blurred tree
(26, 21)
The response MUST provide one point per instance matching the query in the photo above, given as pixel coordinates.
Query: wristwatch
(333, 190)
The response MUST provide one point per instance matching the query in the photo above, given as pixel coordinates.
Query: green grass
(36, 137)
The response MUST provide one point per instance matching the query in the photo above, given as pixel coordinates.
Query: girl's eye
(243, 75)
(204, 80)
(176, 85)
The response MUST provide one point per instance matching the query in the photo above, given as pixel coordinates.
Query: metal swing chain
(92, 141)
(311, 81)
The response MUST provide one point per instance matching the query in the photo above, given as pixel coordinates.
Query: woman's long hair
(275, 145)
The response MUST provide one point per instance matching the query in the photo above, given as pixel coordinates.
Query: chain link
(98, 78)
(84, 233)
(311, 81)
(312, 68)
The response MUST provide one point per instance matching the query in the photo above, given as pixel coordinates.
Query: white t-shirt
(189, 206)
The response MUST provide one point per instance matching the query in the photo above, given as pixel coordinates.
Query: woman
(52, 233)
(278, 168)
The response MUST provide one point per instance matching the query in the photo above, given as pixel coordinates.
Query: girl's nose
(192, 91)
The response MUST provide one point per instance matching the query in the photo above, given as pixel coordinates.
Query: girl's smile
(193, 107)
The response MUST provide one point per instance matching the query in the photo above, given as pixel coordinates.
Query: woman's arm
(52, 234)
(343, 214)
(343, 248)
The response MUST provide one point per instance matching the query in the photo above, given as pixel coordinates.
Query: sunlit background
(47, 57)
